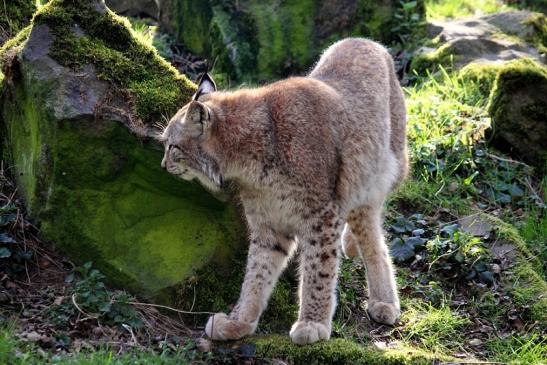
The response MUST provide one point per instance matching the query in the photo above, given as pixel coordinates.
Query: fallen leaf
(475, 342)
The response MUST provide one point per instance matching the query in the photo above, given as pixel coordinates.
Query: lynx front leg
(268, 256)
(366, 225)
(318, 275)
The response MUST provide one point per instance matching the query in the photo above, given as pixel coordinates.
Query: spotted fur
(313, 157)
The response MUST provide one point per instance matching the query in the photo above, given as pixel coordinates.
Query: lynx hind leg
(366, 224)
(350, 244)
(318, 276)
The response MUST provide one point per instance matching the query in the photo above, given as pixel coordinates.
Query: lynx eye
(172, 146)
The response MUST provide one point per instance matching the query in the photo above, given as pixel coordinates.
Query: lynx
(314, 159)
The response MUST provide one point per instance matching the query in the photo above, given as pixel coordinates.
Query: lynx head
(184, 140)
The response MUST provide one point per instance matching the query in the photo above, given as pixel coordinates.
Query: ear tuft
(197, 118)
(206, 85)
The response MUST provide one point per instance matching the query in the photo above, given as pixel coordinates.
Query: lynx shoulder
(315, 158)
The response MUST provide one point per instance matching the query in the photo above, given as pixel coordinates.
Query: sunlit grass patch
(450, 9)
(529, 350)
(435, 329)
(16, 352)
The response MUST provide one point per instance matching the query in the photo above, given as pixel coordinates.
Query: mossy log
(79, 102)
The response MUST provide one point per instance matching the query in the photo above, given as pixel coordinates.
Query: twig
(133, 337)
(90, 316)
(506, 160)
(165, 307)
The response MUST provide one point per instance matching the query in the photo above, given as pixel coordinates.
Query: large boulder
(264, 40)
(494, 38)
(79, 103)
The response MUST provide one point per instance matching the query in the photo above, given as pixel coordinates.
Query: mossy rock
(517, 95)
(518, 107)
(263, 40)
(14, 16)
(80, 98)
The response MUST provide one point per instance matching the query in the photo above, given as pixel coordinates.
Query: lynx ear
(198, 118)
(206, 85)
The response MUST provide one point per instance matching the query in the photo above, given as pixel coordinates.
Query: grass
(446, 119)
(434, 329)
(533, 230)
(16, 352)
(450, 9)
(519, 350)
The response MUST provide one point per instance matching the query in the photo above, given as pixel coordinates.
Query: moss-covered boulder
(518, 107)
(495, 38)
(517, 100)
(14, 16)
(261, 40)
(79, 101)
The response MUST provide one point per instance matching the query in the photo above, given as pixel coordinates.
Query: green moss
(156, 87)
(539, 38)
(282, 309)
(12, 46)
(14, 16)
(284, 35)
(338, 351)
(192, 24)
(481, 75)
(376, 20)
(251, 40)
(430, 62)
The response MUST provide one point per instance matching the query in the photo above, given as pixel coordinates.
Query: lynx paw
(221, 327)
(382, 312)
(303, 333)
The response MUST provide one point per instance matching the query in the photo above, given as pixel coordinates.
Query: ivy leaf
(409, 5)
(480, 267)
(403, 225)
(416, 242)
(401, 250)
(5, 238)
(449, 230)
(486, 277)
(516, 191)
(7, 218)
(69, 278)
(4, 252)
(8, 208)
